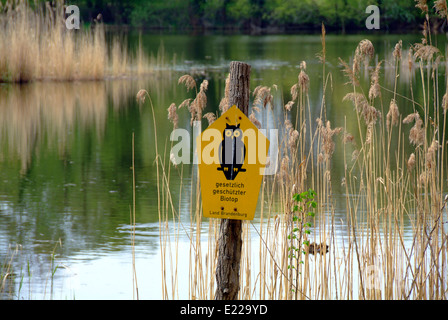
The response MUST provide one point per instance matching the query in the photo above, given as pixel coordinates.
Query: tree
(398, 12)
(239, 11)
(160, 13)
(215, 13)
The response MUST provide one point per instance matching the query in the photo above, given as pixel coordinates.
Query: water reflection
(64, 169)
(39, 113)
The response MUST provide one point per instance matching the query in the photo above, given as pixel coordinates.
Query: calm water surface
(66, 153)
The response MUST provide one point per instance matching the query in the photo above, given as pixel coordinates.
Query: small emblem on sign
(232, 152)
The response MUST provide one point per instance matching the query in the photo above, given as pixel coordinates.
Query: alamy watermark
(373, 276)
(373, 21)
(72, 21)
(245, 144)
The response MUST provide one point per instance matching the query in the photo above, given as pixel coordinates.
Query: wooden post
(230, 242)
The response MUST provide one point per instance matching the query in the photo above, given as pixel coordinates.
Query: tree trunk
(230, 242)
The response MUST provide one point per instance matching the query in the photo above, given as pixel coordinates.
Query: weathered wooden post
(230, 242)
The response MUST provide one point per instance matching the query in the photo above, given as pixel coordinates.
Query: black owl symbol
(232, 152)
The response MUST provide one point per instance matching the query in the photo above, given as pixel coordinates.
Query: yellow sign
(232, 155)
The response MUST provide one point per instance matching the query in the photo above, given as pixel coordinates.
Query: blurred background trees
(280, 15)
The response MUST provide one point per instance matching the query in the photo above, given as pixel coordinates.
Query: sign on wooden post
(230, 177)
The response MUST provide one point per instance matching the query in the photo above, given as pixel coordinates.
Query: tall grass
(7, 272)
(393, 242)
(36, 45)
(16, 273)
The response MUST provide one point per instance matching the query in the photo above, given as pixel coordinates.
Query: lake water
(66, 157)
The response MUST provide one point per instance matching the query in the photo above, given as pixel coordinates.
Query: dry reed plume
(199, 102)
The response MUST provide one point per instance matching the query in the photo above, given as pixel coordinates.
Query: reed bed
(35, 44)
(390, 242)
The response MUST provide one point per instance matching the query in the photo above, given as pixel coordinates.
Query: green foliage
(160, 14)
(303, 212)
(400, 12)
(240, 9)
(214, 12)
(180, 14)
(293, 12)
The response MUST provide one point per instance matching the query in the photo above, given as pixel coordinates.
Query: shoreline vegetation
(36, 45)
(255, 16)
(394, 201)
